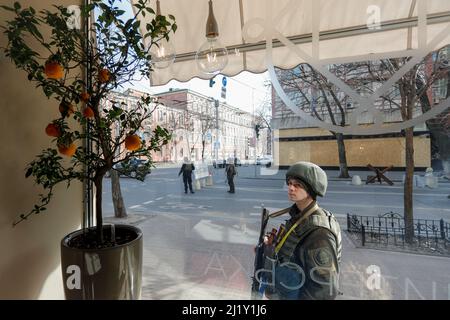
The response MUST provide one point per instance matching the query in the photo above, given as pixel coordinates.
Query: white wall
(30, 252)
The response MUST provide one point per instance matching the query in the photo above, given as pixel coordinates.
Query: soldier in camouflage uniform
(307, 249)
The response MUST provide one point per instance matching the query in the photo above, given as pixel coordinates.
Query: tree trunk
(408, 187)
(117, 199)
(343, 168)
(203, 149)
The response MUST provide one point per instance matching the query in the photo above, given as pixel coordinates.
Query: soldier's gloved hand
(269, 238)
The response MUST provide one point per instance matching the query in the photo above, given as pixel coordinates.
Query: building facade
(201, 127)
(211, 129)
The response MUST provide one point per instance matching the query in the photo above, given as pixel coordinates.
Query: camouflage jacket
(308, 261)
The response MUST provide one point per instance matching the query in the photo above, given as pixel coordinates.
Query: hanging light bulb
(212, 56)
(162, 52)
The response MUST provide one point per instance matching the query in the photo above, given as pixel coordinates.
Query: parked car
(219, 163)
(134, 168)
(264, 161)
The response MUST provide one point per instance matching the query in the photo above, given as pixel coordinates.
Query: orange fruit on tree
(53, 70)
(104, 75)
(88, 112)
(53, 130)
(66, 108)
(132, 142)
(67, 150)
(85, 97)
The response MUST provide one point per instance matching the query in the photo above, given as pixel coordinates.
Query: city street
(200, 246)
(162, 193)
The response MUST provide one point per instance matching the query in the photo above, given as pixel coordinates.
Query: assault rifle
(259, 251)
(259, 255)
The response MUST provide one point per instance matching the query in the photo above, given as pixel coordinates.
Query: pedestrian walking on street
(186, 170)
(230, 171)
(305, 252)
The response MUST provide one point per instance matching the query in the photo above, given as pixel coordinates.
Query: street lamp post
(253, 121)
(216, 146)
(256, 147)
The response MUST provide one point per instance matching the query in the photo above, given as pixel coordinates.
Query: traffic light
(257, 127)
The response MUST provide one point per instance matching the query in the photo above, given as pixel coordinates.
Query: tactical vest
(321, 218)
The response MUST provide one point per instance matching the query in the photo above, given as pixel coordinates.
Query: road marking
(271, 209)
(147, 202)
(165, 179)
(159, 198)
(225, 216)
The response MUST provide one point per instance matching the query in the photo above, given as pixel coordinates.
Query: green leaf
(29, 172)
(7, 8)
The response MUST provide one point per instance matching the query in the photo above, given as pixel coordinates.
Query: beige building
(319, 146)
(201, 126)
(295, 140)
(204, 126)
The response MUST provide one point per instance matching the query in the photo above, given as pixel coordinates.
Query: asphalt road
(162, 193)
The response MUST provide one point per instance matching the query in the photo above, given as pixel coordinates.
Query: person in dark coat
(230, 171)
(186, 170)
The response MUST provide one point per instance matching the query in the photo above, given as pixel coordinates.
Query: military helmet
(311, 175)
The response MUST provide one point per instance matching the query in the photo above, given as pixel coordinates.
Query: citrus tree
(78, 67)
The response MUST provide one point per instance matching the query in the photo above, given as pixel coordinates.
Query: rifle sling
(279, 213)
(300, 220)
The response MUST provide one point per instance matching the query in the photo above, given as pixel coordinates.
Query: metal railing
(389, 229)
